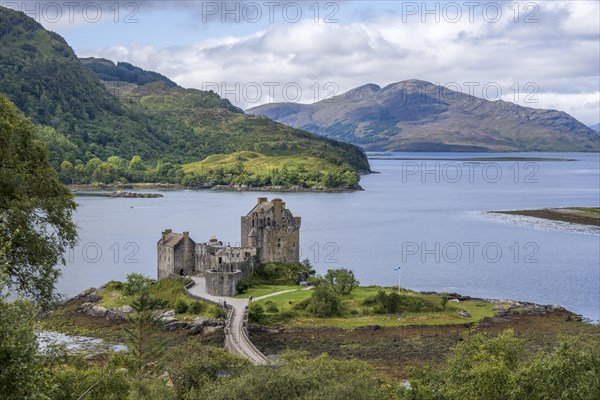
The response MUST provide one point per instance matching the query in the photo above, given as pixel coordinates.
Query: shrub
(444, 300)
(256, 313)
(135, 284)
(217, 312)
(154, 302)
(271, 307)
(113, 285)
(302, 305)
(193, 365)
(325, 303)
(181, 306)
(392, 303)
(243, 285)
(196, 307)
(281, 273)
(285, 316)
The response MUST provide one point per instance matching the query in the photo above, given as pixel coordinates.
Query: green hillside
(123, 131)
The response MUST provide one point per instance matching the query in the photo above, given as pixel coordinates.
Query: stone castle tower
(269, 233)
(273, 230)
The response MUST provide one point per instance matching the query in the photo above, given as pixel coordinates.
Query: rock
(114, 315)
(464, 314)
(86, 292)
(89, 296)
(168, 320)
(200, 321)
(97, 311)
(173, 326)
(84, 306)
(168, 313)
(454, 301)
(125, 309)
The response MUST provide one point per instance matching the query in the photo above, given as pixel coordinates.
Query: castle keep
(269, 233)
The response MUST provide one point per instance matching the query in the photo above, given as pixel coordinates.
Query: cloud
(559, 54)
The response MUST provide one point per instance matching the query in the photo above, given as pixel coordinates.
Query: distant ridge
(416, 115)
(123, 72)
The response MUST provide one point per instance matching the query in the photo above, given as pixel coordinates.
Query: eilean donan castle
(269, 233)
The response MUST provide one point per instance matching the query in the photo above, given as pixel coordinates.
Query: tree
(66, 168)
(145, 346)
(341, 280)
(136, 164)
(105, 173)
(21, 373)
(35, 209)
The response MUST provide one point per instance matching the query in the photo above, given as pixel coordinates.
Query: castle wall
(165, 258)
(188, 249)
(202, 257)
(219, 283)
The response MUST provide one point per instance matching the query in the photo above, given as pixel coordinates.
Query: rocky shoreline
(506, 308)
(581, 216)
(246, 188)
(82, 189)
(87, 304)
(135, 195)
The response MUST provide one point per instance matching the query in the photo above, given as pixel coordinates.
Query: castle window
(253, 223)
(278, 242)
(220, 260)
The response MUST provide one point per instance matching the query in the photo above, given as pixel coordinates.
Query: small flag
(397, 268)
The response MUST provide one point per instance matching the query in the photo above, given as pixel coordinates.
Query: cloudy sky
(537, 53)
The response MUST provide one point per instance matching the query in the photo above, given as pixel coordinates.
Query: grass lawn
(266, 289)
(359, 315)
(169, 290)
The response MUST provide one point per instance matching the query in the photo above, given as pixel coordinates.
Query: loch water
(425, 212)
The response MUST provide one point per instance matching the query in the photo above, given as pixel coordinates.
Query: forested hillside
(141, 131)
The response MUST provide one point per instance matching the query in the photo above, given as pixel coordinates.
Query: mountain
(415, 115)
(87, 121)
(595, 127)
(124, 72)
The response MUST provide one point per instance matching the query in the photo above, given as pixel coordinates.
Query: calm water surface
(426, 216)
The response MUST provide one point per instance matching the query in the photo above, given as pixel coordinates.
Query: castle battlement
(269, 233)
